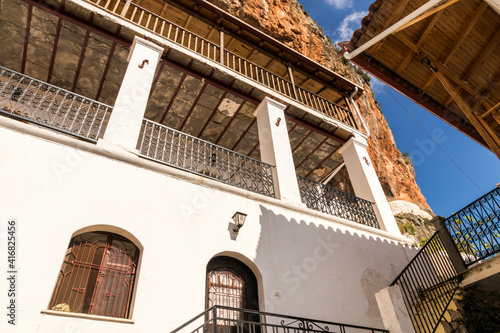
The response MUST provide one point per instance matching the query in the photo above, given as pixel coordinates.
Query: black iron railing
(29, 99)
(331, 201)
(169, 146)
(222, 319)
(428, 284)
(475, 229)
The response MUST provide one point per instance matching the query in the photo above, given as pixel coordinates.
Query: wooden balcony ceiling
(81, 51)
(461, 41)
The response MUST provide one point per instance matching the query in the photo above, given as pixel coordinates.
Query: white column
(393, 310)
(275, 148)
(130, 105)
(365, 181)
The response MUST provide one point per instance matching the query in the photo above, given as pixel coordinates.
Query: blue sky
(443, 177)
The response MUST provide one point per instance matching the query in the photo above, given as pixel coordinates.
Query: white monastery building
(164, 158)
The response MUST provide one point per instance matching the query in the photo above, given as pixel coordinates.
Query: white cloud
(377, 85)
(350, 23)
(340, 4)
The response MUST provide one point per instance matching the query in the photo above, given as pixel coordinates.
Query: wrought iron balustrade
(331, 201)
(428, 284)
(475, 229)
(223, 319)
(174, 148)
(202, 46)
(29, 99)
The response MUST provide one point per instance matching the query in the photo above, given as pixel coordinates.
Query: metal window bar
(253, 321)
(97, 277)
(183, 151)
(428, 284)
(212, 51)
(26, 98)
(331, 201)
(475, 229)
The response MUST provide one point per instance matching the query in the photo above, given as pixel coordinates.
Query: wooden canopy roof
(447, 59)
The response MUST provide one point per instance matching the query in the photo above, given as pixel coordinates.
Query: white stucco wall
(306, 264)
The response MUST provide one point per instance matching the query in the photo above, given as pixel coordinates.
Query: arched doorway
(230, 283)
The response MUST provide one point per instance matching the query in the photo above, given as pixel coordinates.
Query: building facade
(131, 145)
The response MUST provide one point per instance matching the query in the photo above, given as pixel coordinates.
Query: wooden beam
(188, 21)
(394, 16)
(441, 68)
(428, 13)
(479, 61)
(488, 129)
(310, 154)
(423, 36)
(82, 55)
(484, 54)
(54, 49)
(164, 9)
(26, 39)
(473, 119)
(490, 111)
(460, 39)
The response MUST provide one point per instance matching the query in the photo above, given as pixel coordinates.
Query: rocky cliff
(287, 22)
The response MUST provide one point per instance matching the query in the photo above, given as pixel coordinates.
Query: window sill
(87, 316)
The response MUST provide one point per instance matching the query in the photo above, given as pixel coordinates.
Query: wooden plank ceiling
(447, 60)
(75, 49)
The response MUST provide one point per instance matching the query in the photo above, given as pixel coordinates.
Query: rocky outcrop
(287, 22)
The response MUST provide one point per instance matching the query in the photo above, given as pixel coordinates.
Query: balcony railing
(183, 151)
(222, 319)
(29, 99)
(181, 36)
(331, 201)
(428, 284)
(475, 229)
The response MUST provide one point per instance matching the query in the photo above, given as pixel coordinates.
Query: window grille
(226, 288)
(97, 276)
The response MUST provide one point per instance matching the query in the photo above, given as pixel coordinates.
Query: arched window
(97, 276)
(230, 283)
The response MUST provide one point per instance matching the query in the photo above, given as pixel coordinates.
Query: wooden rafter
(311, 153)
(54, 49)
(184, 75)
(460, 39)
(244, 133)
(423, 36)
(195, 102)
(82, 55)
(229, 123)
(442, 68)
(324, 160)
(164, 9)
(480, 59)
(492, 140)
(213, 112)
(490, 111)
(394, 16)
(105, 72)
(26, 38)
(428, 13)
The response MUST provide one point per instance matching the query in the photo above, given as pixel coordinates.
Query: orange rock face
(285, 21)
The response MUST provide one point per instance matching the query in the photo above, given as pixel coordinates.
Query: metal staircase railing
(428, 284)
(223, 319)
(475, 229)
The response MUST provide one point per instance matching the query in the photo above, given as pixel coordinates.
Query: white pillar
(365, 181)
(393, 310)
(130, 105)
(275, 148)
